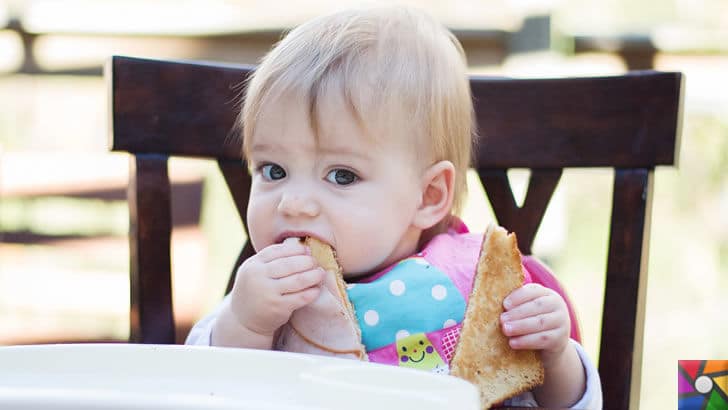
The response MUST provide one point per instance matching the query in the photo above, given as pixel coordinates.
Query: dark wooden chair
(630, 123)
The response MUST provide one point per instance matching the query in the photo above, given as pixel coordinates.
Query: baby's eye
(272, 172)
(341, 176)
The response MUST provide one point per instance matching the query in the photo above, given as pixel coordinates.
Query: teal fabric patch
(414, 297)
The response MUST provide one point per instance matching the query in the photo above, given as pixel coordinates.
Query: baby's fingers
(533, 307)
(524, 294)
(547, 340)
(301, 298)
(533, 324)
(298, 282)
(289, 247)
(291, 265)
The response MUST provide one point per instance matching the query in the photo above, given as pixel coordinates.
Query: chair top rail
(185, 108)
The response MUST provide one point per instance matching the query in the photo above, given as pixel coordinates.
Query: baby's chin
(352, 275)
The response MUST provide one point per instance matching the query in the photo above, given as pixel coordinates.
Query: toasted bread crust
(482, 355)
(323, 254)
(326, 257)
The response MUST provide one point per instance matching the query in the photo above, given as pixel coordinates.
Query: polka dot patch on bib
(413, 297)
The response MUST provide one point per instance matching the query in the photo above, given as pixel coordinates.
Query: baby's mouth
(300, 236)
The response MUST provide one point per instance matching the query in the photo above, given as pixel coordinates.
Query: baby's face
(346, 189)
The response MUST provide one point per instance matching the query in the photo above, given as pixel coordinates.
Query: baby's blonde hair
(402, 74)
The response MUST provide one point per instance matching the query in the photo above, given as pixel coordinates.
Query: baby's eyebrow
(265, 146)
(342, 150)
(347, 151)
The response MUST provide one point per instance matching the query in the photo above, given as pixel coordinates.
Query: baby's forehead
(345, 144)
(329, 117)
(294, 138)
(330, 121)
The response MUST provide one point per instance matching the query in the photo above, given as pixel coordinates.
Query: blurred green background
(63, 218)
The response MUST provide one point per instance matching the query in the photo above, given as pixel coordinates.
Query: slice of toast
(482, 355)
(327, 326)
(326, 257)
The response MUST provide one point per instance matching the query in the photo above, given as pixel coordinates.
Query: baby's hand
(537, 318)
(273, 283)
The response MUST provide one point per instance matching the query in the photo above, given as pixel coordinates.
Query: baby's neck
(440, 227)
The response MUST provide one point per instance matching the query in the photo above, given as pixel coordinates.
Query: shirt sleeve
(590, 400)
(201, 332)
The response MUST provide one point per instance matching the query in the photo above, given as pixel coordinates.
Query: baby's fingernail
(504, 317)
(507, 327)
(507, 303)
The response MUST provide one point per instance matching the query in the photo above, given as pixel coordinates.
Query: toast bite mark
(482, 355)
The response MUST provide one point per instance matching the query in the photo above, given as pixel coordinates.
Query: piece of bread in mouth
(326, 258)
(328, 325)
(482, 355)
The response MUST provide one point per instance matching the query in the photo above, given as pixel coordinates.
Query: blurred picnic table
(76, 36)
(236, 31)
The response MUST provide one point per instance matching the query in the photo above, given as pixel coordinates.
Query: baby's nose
(298, 205)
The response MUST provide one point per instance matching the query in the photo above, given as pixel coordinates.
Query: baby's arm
(269, 286)
(536, 317)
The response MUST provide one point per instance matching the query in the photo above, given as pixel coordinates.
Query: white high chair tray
(129, 376)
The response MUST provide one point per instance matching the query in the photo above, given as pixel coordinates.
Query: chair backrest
(630, 123)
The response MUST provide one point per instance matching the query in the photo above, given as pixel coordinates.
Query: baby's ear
(438, 182)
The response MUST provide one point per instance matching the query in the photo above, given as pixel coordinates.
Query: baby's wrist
(257, 332)
(230, 331)
(249, 324)
(253, 329)
(553, 358)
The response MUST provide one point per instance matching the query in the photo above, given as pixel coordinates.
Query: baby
(357, 131)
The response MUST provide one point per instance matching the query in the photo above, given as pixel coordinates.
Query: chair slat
(620, 355)
(620, 121)
(238, 182)
(174, 108)
(524, 220)
(152, 319)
